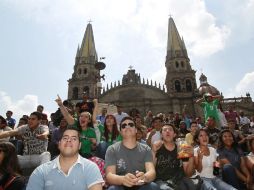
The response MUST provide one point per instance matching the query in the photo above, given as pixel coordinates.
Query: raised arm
(95, 110)
(198, 101)
(67, 116)
(95, 124)
(6, 134)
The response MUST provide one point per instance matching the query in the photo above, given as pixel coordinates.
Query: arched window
(188, 86)
(182, 64)
(177, 86)
(85, 71)
(75, 93)
(177, 64)
(79, 71)
(86, 89)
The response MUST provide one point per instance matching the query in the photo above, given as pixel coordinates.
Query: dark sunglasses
(124, 125)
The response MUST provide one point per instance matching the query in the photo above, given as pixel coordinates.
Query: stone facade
(180, 90)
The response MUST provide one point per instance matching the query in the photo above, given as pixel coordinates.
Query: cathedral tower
(180, 78)
(84, 77)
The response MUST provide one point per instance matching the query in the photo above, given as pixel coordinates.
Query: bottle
(216, 166)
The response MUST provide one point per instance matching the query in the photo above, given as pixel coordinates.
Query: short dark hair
(9, 111)
(23, 119)
(193, 122)
(71, 128)
(126, 118)
(171, 125)
(3, 121)
(40, 106)
(156, 118)
(37, 114)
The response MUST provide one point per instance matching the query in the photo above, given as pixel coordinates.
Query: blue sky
(39, 40)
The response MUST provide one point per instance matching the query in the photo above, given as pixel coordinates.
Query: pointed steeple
(77, 54)
(87, 49)
(180, 76)
(176, 46)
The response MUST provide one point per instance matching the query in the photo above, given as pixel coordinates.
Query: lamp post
(99, 66)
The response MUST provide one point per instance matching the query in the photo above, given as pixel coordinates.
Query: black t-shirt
(213, 134)
(168, 167)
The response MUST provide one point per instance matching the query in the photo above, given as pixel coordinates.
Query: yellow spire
(175, 43)
(87, 48)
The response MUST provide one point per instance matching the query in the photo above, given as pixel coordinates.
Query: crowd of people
(80, 148)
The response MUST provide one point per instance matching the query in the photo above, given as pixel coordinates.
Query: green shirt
(210, 109)
(86, 144)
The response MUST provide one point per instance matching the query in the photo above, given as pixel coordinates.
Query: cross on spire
(130, 67)
(89, 21)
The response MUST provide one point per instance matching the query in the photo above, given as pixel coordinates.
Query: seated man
(129, 164)
(35, 138)
(69, 170)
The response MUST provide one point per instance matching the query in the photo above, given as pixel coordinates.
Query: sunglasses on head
(124, 125)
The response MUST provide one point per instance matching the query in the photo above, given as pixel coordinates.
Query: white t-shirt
(207, 163)
(119, 117)
(156, 137)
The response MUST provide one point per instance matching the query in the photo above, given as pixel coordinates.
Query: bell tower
(180, 78)
(85, 75)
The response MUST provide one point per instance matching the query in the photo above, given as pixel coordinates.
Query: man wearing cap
(129, 164)
(210, 104)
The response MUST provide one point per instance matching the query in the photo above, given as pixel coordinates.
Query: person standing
(10, 121)
(69, 170)
(210, 104)
(126, 170)
(119, 115)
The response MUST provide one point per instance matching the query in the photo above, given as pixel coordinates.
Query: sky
(39, 40)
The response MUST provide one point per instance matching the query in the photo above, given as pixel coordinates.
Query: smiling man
(129, 164)
(69, 170)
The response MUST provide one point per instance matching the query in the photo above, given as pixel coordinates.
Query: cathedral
(178, 94)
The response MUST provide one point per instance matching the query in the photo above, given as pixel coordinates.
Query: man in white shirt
(120, 114)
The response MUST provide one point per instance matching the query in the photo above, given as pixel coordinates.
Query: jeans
(148, 186)
(184, 184)
(215, 184)
(101, 149)
(32, 161)
(230, 177)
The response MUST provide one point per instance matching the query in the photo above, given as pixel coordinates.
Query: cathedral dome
(205, 87)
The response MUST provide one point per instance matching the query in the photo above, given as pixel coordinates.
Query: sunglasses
(124, 125)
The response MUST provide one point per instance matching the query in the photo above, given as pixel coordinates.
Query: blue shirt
(49, 176)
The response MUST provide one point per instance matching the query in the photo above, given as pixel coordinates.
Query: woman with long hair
(205, 157)
(234, 170)
(10, 173)
(109, 134)
(89, 136)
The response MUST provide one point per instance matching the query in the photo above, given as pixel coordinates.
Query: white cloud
(24, 106)
(246, 84)
(146, 19)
